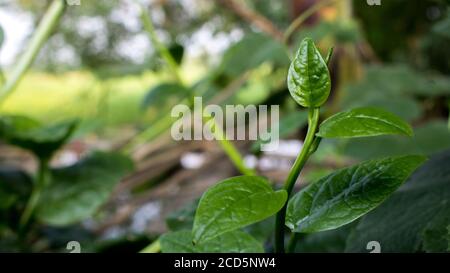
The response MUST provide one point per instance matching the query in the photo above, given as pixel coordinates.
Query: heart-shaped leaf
(231, 242)
(76, 192)
(28, 134)
(363, 122)
(308, 78)
(234, 203)
(347, 194)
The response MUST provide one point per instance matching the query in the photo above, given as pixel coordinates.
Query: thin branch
(42, 34)
(303, 17)
(253, 18)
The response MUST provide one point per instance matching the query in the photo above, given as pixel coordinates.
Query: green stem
(149, 134)
(40, 184)
(230, 150)
(41, 35)
(162, 50)
(313, 121)
(293, 242)
(226, 145)
(303, 17)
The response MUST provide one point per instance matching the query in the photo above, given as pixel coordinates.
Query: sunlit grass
(80, 94)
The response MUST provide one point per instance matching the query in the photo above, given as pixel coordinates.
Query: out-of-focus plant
(61, 196)
(55, 197)
(41, 35)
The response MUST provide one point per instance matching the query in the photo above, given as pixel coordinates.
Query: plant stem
(227, 146)
(162, 50)
(293, 242)
(41, 35)
(313, 120)
(303, 17)
(154, 247)
(40, 184)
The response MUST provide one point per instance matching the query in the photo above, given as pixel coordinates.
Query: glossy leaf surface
(347, 194)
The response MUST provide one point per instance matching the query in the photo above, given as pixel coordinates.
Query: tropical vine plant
(329, 203)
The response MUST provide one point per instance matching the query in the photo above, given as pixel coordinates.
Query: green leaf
(348, 194)
(435, 235)
(250, 52)
(443, 26)
(28, 134)
(308, 77)
(15, 187)
(76, 192)
(164, 95)
(363, 122)
(231, 242)
(403, 82)
(235, 203)
(400, 223)
(405, 107)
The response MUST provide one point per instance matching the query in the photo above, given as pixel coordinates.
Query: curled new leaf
(308, 78)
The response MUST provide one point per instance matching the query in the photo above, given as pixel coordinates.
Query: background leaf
(428, 139)
(164, 95)
(435, 234)
(308, 78)
(250, 52)
(231, 242)
(177, 52)
(28, 134)
(399, 223)
(347, 194)
(76, 192)
(15, 188)
(235, 203)
(363, 122)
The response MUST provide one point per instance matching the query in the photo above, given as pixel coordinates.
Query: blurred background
(114, 69)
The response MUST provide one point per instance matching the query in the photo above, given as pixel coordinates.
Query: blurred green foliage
(106, 91)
